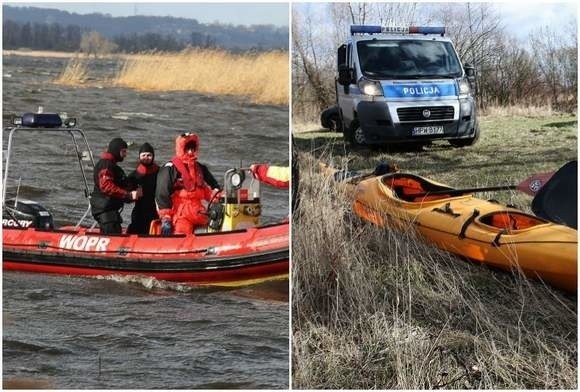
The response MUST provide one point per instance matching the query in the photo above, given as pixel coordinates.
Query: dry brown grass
(519, 110)
(263, 77)
(373, 308)
(26, 383)
(75, 72)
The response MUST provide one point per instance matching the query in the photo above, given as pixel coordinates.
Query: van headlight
(464, 88)
(370, 87)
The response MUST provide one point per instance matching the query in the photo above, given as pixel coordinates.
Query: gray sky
(523, 17)
(520, 17)
(236, 13)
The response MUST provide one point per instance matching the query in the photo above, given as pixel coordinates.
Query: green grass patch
(510, 150)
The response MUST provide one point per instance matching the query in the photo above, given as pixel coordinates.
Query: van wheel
(467, 142)
(330, 119)
(354, 134)
(335, 123)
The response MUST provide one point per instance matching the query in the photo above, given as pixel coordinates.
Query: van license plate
(420, 131)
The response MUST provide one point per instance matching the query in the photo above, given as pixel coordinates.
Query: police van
(404, 85)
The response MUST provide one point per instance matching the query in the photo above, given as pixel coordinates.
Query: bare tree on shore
(93, 43)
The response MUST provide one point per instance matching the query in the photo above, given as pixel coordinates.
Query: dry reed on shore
(263, 77)
(374, 308)
(75, 72)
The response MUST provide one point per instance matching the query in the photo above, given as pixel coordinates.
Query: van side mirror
(469, 71)
(344, 75)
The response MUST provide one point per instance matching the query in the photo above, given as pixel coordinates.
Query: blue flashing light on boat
(44, 120)
(41, 120)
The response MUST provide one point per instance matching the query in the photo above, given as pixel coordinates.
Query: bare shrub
(93, 43)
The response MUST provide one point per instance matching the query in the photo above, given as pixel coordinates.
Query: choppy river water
(73, 332)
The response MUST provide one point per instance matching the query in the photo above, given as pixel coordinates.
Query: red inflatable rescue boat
(234, 251)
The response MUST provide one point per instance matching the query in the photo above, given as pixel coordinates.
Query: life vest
(191, 183)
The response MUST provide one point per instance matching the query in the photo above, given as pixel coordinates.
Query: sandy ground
(48, 53)
(38, 53)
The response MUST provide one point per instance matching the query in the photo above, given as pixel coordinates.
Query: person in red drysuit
(183, 186)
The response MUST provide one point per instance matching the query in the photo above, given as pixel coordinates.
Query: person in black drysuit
(111, 189)
(145, 177)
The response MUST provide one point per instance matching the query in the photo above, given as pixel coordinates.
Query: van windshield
(408, 59)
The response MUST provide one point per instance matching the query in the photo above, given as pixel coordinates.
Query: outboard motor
(25, 214)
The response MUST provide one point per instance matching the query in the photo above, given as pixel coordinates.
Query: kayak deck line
(391, 216)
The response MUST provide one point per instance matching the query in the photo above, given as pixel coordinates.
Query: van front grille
(426, 113)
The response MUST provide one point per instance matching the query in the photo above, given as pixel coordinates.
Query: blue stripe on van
(419, 90)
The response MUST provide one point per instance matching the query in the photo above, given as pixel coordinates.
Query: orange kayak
(480, 230)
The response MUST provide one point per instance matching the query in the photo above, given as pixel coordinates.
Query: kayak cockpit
(412, 188)
(511, 220)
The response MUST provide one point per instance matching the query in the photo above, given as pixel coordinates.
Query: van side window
(350, 60)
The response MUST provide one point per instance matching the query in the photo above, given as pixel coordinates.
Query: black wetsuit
(109, 194)
(145, 210)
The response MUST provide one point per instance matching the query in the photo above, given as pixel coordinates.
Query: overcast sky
(523, 17)
(519, 17)
(236, 13)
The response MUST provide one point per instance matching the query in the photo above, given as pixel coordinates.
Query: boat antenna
(17, 192)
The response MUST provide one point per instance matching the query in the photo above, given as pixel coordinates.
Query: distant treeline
(42, 36)
(138, 31)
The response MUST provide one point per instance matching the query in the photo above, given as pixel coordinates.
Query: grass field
(380, 309)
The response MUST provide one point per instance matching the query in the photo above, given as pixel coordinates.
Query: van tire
(468, 141)
(330, 119)
(335, 123)
(354, 135)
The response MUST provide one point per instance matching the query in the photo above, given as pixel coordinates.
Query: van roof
(410, 37)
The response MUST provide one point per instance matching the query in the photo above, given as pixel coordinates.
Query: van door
(346, 94)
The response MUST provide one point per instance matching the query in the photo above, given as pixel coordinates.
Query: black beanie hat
(146, 147)
(115, 147)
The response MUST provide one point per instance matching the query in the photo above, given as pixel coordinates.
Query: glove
(257, 169)
(166, 227)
